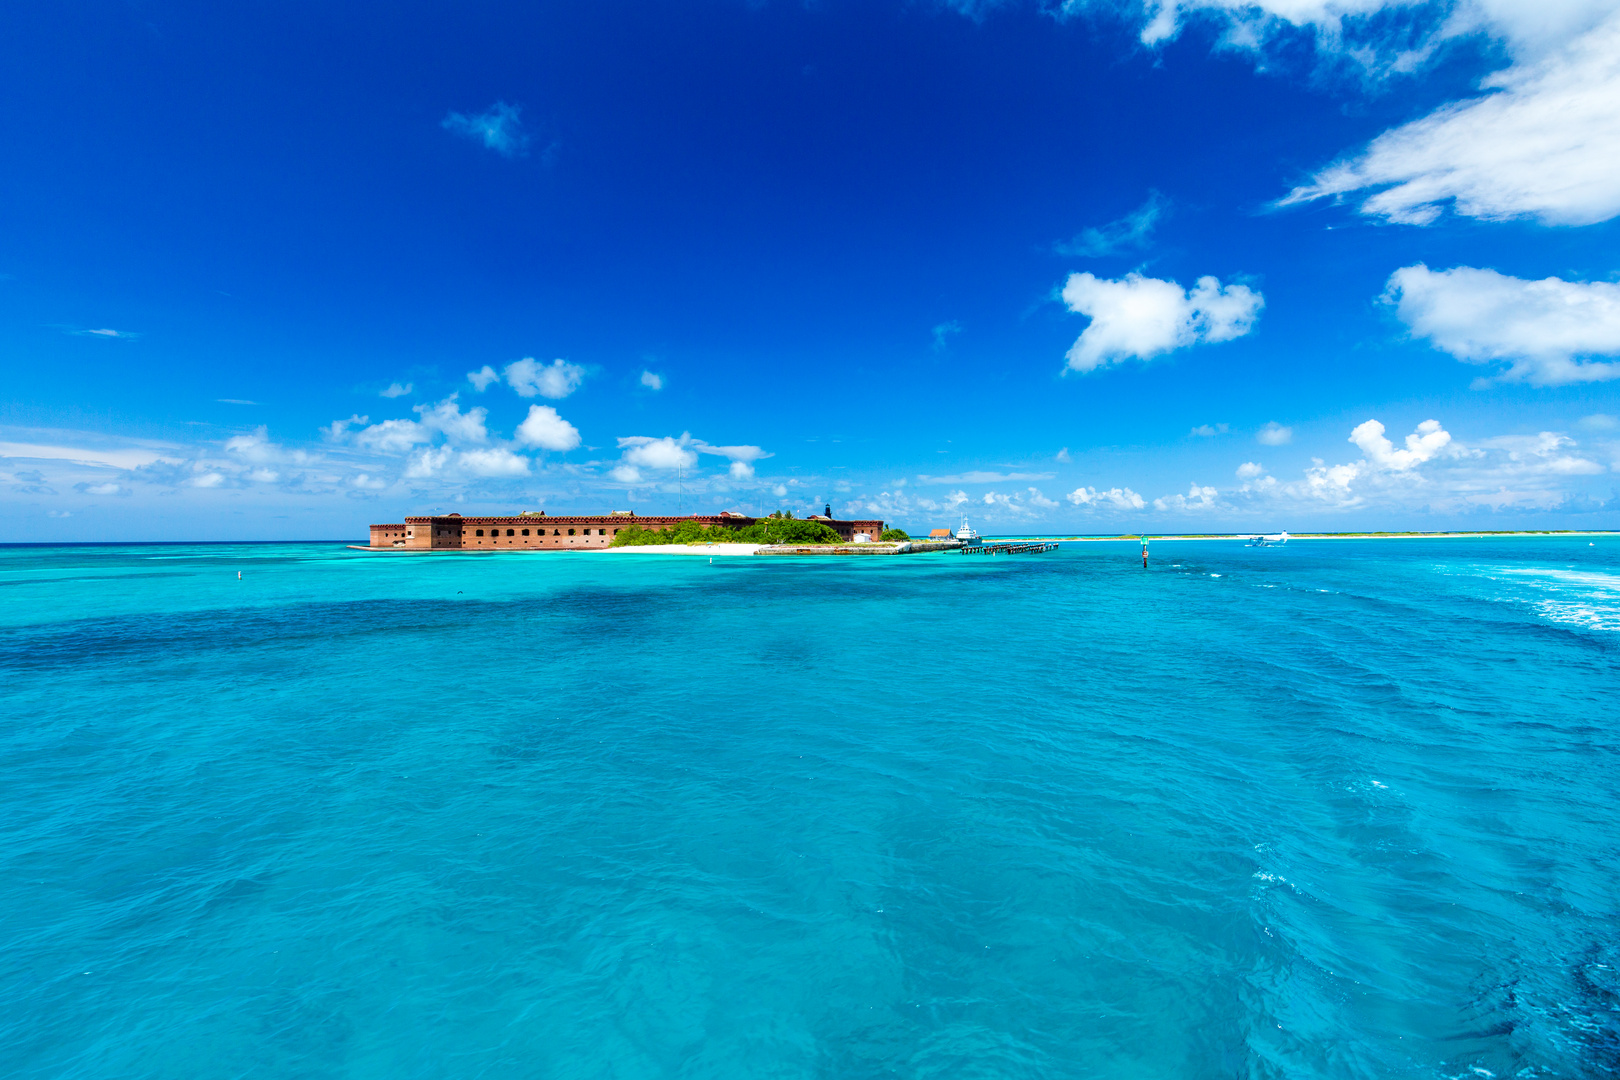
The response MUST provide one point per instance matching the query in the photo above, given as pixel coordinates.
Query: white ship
(966, 534)
(1271, 540)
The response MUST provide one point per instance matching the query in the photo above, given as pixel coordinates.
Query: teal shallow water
(1340, 809)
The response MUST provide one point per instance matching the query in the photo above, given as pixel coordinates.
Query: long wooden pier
(1006, 549)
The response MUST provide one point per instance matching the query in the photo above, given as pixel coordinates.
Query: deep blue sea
(1339, 809)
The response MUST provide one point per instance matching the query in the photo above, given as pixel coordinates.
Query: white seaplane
(1268, 540)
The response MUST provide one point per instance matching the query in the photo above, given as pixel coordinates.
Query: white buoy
(239, 575)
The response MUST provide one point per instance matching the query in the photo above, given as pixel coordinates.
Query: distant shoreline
(1135, 538)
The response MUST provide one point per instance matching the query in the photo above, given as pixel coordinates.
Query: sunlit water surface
(1339, 809)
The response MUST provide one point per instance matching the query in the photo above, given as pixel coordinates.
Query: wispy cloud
(397, 390)
(652, 381)
(235, 401)
(499, 128)
(1129, 233)
(943, 334)
(980, 476)
(1208, 431)
(104, 332)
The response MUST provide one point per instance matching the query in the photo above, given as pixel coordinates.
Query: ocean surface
(1339, 809)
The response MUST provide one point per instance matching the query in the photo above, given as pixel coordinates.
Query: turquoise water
(1340, 809)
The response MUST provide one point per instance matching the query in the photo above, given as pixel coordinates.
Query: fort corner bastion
(538, 530)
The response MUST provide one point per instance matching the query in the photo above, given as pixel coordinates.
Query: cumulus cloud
(1129, 233)
(1542, 329)
(1428, 440)
(1249, 470)
(337, 429)
(397, 390)
(741, 470)
(1142, 317)
(1112, 498)
(1274, 434)
(446, 416)
(493, 461)
(1437, 472)
(1542, 145)
(641, 451)
(483, 378)
(499, 128)
(544, 429)
(555, 380)
(1197, 498)
(390, 436)
(427, 461)
(652, 381)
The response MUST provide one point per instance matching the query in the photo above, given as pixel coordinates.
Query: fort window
(480, 532)
(570, 532)
(509, 532)
(525, 532)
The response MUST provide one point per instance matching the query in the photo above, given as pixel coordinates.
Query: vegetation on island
(772, 530)
(894, 534)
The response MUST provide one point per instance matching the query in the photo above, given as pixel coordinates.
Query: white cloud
(1063, 457)
(369, 483)
(544, 429)
(943, 333)
(337, 429)
(1116, 498)
(492, 462)
(1436, 472)
(1208, 431)
(555, 380)
(499, 128)
(426, 462)
(780, 491)
(1599, 422)
(1129, 233)
(734, 453)
(652, 381)
(105, 333)
(660, 455)
(1540, 328)
(1144, 317)
(1249, 470)
(390, 436)
(483, 377)
(741, 470)
(208, 480)
(457, 426)
(1274, 434)
(1428, 440)
(103, 489)
(1542, 145)
(116, 458)
(397, 390)
(1197, 498)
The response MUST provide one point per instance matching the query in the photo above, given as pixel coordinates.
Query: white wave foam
(1584, 598)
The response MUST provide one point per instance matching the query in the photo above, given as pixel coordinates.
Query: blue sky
(280, 271)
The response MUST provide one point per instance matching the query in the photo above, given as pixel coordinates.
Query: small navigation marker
(239, 575)
(1144, 553)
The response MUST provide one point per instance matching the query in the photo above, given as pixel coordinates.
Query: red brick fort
(537, 529)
